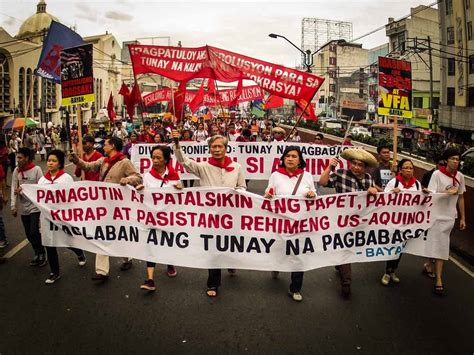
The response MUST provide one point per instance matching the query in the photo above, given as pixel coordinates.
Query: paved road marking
(16, 249)
(461, 266)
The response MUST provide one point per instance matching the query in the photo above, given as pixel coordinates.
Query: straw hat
(278, 130)
(361, 155)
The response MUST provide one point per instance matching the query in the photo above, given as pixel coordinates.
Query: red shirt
(89, 175)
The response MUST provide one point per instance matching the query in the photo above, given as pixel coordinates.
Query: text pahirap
(222, 227)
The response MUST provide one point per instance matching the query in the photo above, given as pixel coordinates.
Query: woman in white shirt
(404, 181)
(290, 179)
(56, 175)
(161, 175)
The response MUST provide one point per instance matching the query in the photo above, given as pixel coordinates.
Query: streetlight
(307, 55)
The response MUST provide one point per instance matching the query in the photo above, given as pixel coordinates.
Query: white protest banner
(225, 228)
(258, 159)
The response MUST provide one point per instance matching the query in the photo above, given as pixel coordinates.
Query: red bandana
(452, 176)
(117, 157)
(171, 176)
(52, 179)
(224, 165)
(29, 166)
(279, 139)
(408, 184)
(287, 173)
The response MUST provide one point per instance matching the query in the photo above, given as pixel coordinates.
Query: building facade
(456, 49)
(408, 40)
(342, 93)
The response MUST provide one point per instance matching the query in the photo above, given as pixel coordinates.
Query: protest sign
(225, 228)
(183, 64)
(258, 159)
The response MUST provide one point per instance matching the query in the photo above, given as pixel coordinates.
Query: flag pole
(297, 121)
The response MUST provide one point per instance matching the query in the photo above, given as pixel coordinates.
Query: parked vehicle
(361, 131)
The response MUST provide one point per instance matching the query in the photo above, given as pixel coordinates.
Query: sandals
(211, 292)
(438, 290)
(429, 274)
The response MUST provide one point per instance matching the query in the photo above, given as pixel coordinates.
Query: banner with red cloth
(183, 64)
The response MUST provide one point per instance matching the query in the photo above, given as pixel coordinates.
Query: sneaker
(3, 243)
(52, 278)
(394, 278)
(275, 274)
(126, 265)
(148, 285)
(296, 296)
(42, 260)
(81, 260)
(171, 271)
(35, 261)
(385, 279)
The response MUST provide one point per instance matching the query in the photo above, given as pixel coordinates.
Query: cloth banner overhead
(183, 64)
(258, 159)
(249, 93)
(223, 228)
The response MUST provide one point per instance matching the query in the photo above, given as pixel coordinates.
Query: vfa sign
(394, 88)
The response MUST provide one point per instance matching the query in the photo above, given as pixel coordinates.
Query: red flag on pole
(211, 87)
(179, 96)
(309, 114)
(110, 108)
(198, 99)
(235, 101)
(274, 101)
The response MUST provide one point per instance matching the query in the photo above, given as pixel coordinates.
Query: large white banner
(224, 228)
(258, 159)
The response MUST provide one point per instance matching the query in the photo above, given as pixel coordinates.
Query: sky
(238, 26)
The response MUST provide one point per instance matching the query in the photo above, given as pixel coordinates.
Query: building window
(450, 99)
(451, 66)
(435, 102)
(332, 88)
(469, 30)
(418, 102)
(4, 84)
(401, 42)
(470, 97)
(450, 35)
(332, 61)
(471, 64)
(449, 7)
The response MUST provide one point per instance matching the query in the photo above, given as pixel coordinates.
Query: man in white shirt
(219, 171)
(119, 131)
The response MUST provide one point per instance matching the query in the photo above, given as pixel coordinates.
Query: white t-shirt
(200, 136)
(283, 185)
(149, 181)
(392, 183)
(63, 179)
(439, 182)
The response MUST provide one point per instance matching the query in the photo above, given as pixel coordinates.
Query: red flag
(274, 101)
(309, 114)
(110, 108)
(235, 101)
(211, 87)
(178, 99)
(133, 98)
(135, 95)
(198, 99)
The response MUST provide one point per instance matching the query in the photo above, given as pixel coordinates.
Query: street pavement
(252, 313)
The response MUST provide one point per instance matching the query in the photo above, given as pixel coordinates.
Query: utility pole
(431, 80)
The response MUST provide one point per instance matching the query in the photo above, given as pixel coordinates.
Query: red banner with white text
(183, 64)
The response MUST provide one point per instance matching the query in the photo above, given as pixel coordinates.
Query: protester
(425, 180)
(115, 168)
(383, 173)
(3, 200)
(127, 149)
(147, 134)
(448, 180)
(405, 180)
(119, 131)
(290, 179)
(90, 155)
(161, 175)
(13, 146)
(295, 137)
(318, 138)
(278, 134)
(201, 134)
(349, 180)
(57, 175)
(28, 173)
(348, 140)
(218, 171)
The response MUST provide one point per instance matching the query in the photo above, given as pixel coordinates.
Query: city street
(252, 314)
